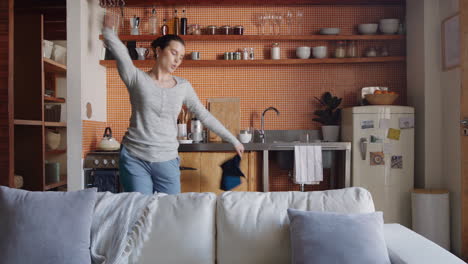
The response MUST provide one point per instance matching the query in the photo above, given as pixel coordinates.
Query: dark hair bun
(163, 41)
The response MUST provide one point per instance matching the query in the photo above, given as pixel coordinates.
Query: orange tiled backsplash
(290, 88)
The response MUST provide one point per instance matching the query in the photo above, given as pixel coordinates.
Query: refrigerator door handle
(363, 147)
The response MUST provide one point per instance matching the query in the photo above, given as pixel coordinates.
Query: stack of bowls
(389, 25)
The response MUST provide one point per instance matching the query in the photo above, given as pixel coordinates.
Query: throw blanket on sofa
(121, 223)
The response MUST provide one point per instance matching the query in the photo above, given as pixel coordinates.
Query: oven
(101, 170)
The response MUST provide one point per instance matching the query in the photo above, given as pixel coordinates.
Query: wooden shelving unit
(227, 63)
(48, 99)
(264, 37)
(57, 151)
(62, 182)
(55, 124)
(54, 67)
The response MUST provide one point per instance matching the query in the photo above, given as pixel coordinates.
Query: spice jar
(351, 50)
(275, 51)
(226, 30)
(238, 30)
(340, 51)
(195, 29)
(211, 30)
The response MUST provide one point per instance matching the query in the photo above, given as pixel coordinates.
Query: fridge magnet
(384, 123)
(406, 122)
(397, 162)
(377, 158)
(393, 134)
(387, 148)
(366, 124)
(375, 139)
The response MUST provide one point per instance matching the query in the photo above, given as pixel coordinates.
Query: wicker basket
(381, 99)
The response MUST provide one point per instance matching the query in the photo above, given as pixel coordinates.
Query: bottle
(275, 51)
(245, 54)
(251, 54)
(153, 23)
(164, 28)
(176, 23)
(183, 23)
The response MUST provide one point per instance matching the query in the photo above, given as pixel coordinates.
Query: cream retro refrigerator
(383, 156)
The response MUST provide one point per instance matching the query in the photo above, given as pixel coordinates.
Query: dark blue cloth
(231, 174)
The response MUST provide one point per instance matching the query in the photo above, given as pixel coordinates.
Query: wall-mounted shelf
(48, 99)
(209, 63)
(55, 124)
(53, 66)
(135, 3)
(264, 37)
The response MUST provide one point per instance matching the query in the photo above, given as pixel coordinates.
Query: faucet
(262, 130)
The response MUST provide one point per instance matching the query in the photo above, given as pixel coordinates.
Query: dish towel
(308, 168)
(231, 174)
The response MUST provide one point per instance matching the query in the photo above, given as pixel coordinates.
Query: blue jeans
(137, 175)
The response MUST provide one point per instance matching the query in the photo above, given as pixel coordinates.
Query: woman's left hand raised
(239, 149)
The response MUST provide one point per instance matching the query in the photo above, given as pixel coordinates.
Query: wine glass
(278, 19)
(289, 20)
(300, 21)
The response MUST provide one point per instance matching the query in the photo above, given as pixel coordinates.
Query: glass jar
(275, 51)
(194, 29)
(211, 30)
(226, 30)
(238, 30)
(340, 51)
(351, 50)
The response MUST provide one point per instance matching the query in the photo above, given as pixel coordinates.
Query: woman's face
(170, 57)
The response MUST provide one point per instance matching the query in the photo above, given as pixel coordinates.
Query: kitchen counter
(216, 147)
(344, 147)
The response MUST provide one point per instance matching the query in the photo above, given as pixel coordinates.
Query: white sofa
(253, 228)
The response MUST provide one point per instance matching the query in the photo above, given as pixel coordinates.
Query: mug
(181, 130)
(303, 52)
(142, 53)
(195, 55)
(319, 52)
(245, 137)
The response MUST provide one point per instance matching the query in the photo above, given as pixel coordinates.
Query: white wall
(435, 95)
(86, 79)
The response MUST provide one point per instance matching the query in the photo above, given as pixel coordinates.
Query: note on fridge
(397, 162)
(406, 122)
(387, 148)
(384, 123)
(393, 134)
(365, 124)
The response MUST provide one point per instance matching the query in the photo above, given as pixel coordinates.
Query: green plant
(331, 115)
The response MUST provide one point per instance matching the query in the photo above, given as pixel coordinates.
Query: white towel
(308, 167)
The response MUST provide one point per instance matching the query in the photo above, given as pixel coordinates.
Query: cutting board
(227, 111)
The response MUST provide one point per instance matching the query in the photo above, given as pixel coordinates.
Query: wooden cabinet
(207, 174)
(33, 74)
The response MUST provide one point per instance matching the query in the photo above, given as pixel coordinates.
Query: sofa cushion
(183, 230)
(45, 227)
(253, 227)
(326, 237)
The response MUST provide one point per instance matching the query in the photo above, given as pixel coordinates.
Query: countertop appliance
(383, 156)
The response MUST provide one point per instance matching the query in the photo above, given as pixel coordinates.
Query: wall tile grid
(290, 88)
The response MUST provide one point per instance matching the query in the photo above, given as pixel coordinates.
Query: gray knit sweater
(152, 134)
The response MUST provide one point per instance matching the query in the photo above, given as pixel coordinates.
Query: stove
(101, 170)
(102, 160)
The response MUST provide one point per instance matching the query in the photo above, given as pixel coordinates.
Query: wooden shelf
(53, 66)
(57, 151)
(208, 63)
(62, 182)
(55, 124)
(148, 3)
(264, 37)
(28, 122)
(49, 99)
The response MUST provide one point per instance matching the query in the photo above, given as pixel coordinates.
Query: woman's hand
(109, 20)
(239, 149)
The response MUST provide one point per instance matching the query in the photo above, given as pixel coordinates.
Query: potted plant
(329, 117)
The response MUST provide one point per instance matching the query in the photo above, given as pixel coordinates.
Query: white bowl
(319, 52)
(389, 21)
(185, 141)
(303, 52)
(329, 31)
(368, 29)
(388, 28)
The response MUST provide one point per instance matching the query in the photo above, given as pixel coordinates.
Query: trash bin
(431, 215)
